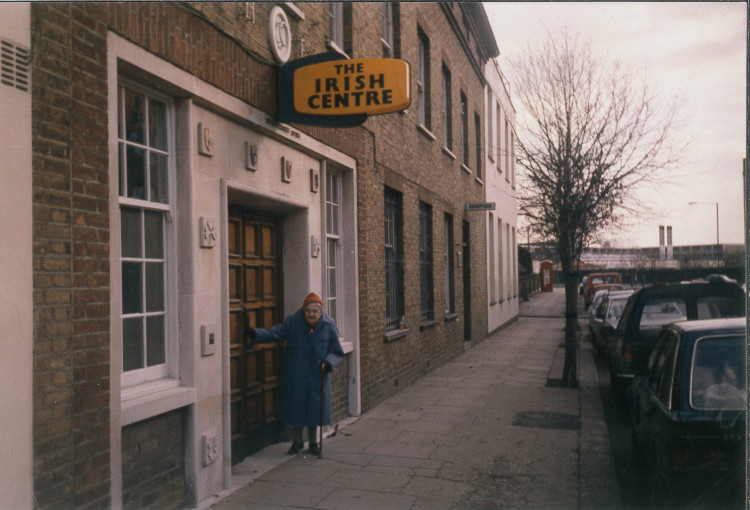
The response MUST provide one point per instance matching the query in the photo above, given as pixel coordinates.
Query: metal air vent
(14, 65)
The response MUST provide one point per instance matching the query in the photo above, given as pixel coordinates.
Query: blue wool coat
(298, 399)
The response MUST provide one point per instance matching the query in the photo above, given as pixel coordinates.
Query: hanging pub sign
(326, 90)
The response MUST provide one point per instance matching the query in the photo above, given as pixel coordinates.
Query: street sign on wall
(480, 206)
(326, 90)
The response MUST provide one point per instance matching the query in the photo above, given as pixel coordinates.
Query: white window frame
(168, 369)
(500, 267)
(336, 14)
(498, 137)
(490, 127)
(447, 108)
(507, 151)
(422, 70)
(333, 213)
(386, 38)
(491, 257)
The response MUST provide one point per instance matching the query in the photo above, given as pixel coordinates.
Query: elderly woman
(311, 351)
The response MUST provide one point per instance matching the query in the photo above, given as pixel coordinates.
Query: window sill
(346, 346)
(293, 11)
(391, 336)
(466, 169)
(478, 180)
(491, 158)
(427, 324)
(426, 132)
(450, 317)
(448, 152)
(152, 399)
(336, 48)
(493, 302)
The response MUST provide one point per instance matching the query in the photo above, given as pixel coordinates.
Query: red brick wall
(71, 258)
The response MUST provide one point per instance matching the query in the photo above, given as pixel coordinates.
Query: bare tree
(590, 135)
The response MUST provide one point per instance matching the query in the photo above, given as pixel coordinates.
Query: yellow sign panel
(368, 86)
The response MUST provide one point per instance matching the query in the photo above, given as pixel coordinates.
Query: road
(635, 484)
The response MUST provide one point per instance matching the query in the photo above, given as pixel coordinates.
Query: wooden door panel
(251, 249)
(234, 237)
(253, 279)
(269, 242)
(235, 282)
(254, 301)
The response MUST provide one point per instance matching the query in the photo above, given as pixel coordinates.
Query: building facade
(502, 243)
(161, 208)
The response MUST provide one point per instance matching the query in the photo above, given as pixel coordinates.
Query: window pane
(130, 232)
(714, 307)
(332, 252)
(136, 167)
(134, 116)
(157, 124)
(159, 178)
(155, 346)
(155, 287)
(132, 288)
(719, 380)
(657, 312)
(154, 223)
(332, 310)
(329, 219)
(132, 344)
(121, 169)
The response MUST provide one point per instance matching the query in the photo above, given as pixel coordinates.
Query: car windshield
(658, 312)
(718, 378)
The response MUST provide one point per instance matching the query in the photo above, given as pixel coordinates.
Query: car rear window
(612, 279)
(616, 307)
(718, 377)
(657, 312)
(714, 307)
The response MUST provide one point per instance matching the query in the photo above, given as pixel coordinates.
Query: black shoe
(295, 448)
(314, 449)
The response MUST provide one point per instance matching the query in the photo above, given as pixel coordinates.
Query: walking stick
(322, 394)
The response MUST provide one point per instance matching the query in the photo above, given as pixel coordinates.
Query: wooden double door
(254, 302)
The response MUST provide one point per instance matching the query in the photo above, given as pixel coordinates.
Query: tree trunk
(570, 368)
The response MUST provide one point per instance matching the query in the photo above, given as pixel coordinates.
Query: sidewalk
(483, 431)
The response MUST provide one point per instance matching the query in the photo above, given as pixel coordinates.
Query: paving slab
(481, 431)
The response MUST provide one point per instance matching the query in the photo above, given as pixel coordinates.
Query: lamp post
(717, 226)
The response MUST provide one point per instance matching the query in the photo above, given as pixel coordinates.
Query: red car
(600, 281)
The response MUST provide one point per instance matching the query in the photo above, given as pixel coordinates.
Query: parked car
(687, 408)
(602, 281)
(582, 286)
(606, 316)
(651, 307)
(598, 296)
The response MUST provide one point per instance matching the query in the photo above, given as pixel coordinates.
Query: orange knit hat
(312, 298)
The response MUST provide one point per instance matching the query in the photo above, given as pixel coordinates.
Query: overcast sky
(695, 52)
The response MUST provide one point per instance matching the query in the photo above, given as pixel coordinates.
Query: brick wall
(216, 43)
(340, 391)
(153, 463)
(71, 258)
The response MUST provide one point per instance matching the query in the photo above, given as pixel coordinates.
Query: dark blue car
(688, 409)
